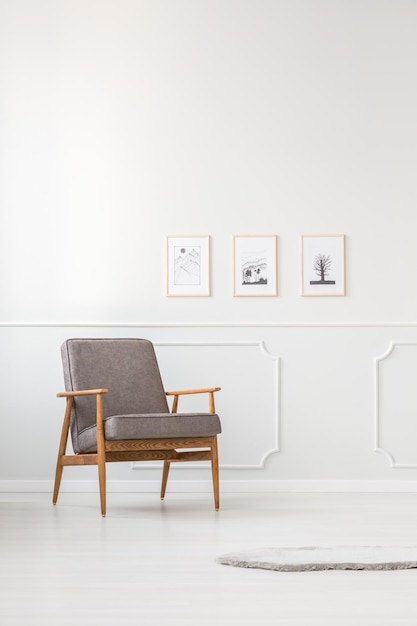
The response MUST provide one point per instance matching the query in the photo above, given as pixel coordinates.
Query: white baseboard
(226, 486)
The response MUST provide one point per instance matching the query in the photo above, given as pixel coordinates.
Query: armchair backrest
(126, 367)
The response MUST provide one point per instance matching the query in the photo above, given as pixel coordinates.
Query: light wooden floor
(153, 563)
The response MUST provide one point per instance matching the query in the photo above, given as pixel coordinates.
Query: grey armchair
(117, 410)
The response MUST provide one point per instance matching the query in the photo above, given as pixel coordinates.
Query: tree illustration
(322, 265)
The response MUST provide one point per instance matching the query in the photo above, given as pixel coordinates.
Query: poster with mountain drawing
(187, 262)
(187, 269)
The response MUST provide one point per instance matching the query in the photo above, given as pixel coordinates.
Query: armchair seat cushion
(151, 426)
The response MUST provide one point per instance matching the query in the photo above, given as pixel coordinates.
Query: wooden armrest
(84, 392)
(188, 391)
(176, 395)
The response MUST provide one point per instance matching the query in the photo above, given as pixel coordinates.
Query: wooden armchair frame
(137, 449)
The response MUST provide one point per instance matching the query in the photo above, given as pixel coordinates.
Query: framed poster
(322, 265)
(254, 265)
(187, 265)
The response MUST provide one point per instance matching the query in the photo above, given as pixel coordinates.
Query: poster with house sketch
(323, 265)
(187, 272)
(255, 265)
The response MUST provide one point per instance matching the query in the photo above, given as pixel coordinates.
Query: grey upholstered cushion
(136, 406)
(154, 426)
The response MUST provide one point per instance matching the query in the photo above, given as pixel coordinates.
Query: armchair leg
(58, 476)
(101, 454)
(62, 448)
(102, 485)
(165, 473)
(215, 472)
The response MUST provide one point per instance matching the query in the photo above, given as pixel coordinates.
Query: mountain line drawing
(187, 265)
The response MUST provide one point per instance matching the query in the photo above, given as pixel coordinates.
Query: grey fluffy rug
(324, 558)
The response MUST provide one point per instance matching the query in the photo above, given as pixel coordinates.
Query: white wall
(122, 122)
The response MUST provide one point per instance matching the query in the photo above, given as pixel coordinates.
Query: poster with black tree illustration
(255, 265)
(323, 265)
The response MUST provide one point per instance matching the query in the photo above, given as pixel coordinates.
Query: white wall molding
(393, 345)
(90, 324)
(282, 393)
(205, 486)
(274, 426)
